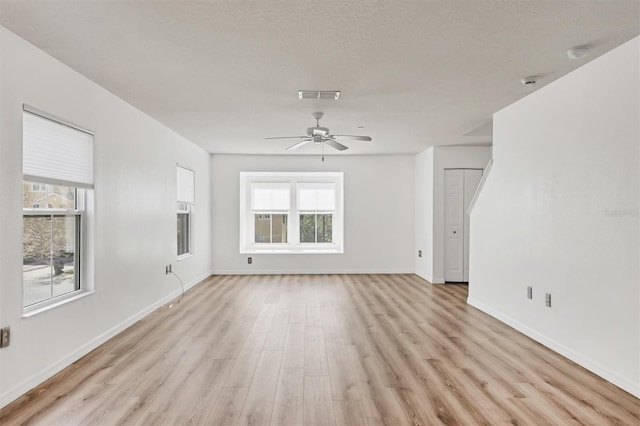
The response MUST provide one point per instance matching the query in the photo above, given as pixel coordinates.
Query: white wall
(378, 215)
(559, 212)
(423, 202)
(134, 217)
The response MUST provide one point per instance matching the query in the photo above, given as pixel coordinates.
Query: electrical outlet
(419, 253)
(547, 300)
(5, 337)
(529, 292)
(249, 260)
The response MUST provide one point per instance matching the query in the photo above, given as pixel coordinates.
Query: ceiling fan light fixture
(331, 95)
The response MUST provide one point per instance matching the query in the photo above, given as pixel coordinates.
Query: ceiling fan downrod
(318, 115)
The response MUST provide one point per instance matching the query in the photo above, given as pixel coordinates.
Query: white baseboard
(596, 368)
(423, 276)
(60, 365)
(197, 280)
(308, 271)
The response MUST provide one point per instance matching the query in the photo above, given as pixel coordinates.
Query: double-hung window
(185, 184)
(291, 212)
(58, 180)
(270, 204)
(316, 208)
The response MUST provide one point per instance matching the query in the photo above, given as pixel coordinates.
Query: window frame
(269, 213)
(84, 210)
(185, 209)
(293, 246)
(80, 262)
(315, 214)
(185, 203)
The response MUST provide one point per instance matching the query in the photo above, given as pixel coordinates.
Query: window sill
(291, 251)
(29, 312)
(184, 257)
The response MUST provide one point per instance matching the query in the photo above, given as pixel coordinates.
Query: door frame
(444, 242)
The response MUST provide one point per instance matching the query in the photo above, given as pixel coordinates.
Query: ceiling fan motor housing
(312, 131)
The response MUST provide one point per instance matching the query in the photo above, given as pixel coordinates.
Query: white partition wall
(559, 212)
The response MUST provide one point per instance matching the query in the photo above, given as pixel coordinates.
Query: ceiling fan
(321, 135)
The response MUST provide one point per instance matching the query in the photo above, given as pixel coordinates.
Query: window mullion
(51, 256)
(294, 214)
(294, 225)
(78, 253)
(315, 227)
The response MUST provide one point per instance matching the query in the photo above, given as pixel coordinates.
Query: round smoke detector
(579, 51)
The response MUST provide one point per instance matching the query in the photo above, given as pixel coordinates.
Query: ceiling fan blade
(353, 137)
(299, 144)
(335, 144)
(288, 137)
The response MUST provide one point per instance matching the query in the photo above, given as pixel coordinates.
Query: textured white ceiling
(225, 74)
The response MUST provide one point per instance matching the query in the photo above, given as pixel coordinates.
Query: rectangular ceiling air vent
(331, 95)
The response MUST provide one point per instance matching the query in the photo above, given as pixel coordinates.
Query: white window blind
(270, 196)
(56, 153)
(185, 185)
(316, 196)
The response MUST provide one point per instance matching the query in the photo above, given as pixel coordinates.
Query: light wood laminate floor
(322, 349)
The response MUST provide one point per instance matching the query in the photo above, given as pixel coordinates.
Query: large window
(58, 176)
(291, 212)
(185, 184)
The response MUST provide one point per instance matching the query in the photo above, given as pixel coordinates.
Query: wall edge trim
(48, 372)
(424, 277)
(593, 366)
(310, 272)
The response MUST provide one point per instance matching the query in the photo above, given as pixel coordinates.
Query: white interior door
(471, 181)
(454, 225)
(460, 187)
